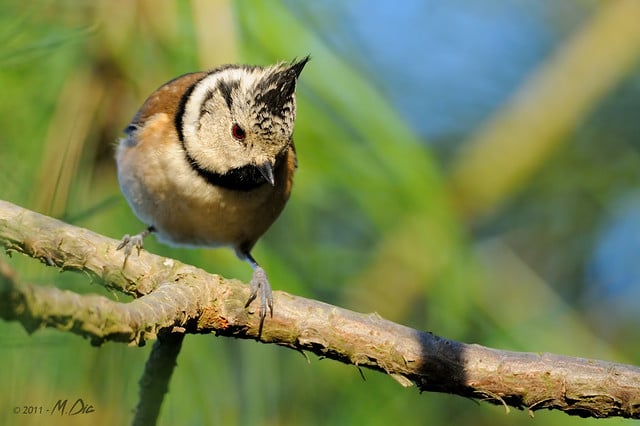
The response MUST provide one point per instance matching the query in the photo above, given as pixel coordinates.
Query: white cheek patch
(219, 101)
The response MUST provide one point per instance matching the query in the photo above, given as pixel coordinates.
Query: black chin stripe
(240, 179)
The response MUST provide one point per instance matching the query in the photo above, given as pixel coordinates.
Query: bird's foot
(260, 287)
(129, 242)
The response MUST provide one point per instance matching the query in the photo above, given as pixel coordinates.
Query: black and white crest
(235, 122)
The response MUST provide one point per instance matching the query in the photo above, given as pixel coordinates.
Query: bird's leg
(259, 287)
(129, 242)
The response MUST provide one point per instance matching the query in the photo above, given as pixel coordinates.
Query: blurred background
(469, 168)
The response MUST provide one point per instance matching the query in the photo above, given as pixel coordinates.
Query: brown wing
(166, 99)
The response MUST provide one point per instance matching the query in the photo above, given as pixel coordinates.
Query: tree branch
(154, 383)
(170, 294)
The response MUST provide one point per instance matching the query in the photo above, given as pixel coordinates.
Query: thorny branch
(174, 296)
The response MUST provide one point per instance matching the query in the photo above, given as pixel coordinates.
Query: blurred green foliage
(371, 225)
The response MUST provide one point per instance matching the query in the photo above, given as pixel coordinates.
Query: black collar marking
(240, 179)
(178, 119)
(244, 178)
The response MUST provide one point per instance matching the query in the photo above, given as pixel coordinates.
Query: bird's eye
(238, 132)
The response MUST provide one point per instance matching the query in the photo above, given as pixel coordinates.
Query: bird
(208, 161)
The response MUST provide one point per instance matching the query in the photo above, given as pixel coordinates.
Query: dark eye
(238, 132)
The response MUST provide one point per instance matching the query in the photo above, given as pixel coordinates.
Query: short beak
(266, 169)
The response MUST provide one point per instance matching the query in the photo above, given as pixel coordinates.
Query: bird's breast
(186, 209)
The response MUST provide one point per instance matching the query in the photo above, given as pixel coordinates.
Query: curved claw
(260, 284)
(129, 242)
